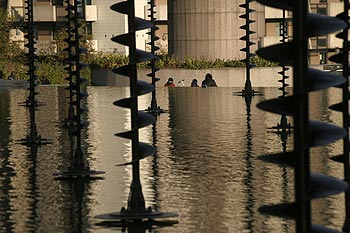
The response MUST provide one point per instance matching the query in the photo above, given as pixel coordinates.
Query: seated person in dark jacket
(194, 83)
(209, 81)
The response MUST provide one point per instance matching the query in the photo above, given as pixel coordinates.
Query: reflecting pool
(206, 169)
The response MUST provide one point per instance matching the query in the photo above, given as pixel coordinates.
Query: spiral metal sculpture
(154, 108)
(31, 101)
(284, 34)
(343, 58)
(69, 121)
(79, 168)
(248, 90)
(136, 209)
(283, 127)
(307, 133)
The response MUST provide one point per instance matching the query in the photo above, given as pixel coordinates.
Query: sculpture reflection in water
(154, 108)
(136, 211)
(79, 167)
(307, 133)
(31, 102)
(248, 90)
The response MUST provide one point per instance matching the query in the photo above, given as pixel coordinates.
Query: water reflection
(206, 167)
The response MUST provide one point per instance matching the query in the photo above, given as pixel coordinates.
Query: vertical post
(248, 84)
(301, 119)
(345, 89)
(78, 159)
(136, 200)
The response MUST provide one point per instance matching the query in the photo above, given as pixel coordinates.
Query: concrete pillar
(209, 29)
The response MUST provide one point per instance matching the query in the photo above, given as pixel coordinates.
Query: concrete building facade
(320, 48)
(193, 29)
(210, 28)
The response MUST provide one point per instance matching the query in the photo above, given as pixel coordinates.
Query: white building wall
(334, 9)
(141, 36)
(109, 23)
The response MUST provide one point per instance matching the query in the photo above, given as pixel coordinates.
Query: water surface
(206, 168)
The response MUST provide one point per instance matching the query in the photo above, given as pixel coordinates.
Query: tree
(11, 55)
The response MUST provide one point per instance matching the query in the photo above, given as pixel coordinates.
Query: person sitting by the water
(209, 81)
(194, 83)
(45, 81)
(12, 76)
(170, 83)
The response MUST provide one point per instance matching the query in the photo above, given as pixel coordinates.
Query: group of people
(207, 82)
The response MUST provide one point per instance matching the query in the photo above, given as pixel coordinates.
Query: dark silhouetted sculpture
(136, 210)
(79, 166)
(307, 133)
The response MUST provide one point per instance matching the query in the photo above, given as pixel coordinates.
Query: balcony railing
(50, 13)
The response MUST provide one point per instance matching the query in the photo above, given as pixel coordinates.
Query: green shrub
(53, 71)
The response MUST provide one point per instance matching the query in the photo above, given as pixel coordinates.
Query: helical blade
(155, 38)
(143, 56)
(121, 7)
(284, 105)
(282, 53)
(322, 229)
(280, 4)
(341, 35)
(143, 120)
(322, 133)
(142, 24)
(156, 69)
(124, 70)
(126, 135)
(323, 186)
(144, 151)
(341, 16)
(144, 88)
(339, 107)
(320, 80)
(337, 58)
(123, 103)
(338, 158)
(123, 39)
(319, 25)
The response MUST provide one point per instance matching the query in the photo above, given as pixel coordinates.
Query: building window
(322, 42)
(283, 29)
(57, 2)
(89, 28)
(322, 10)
